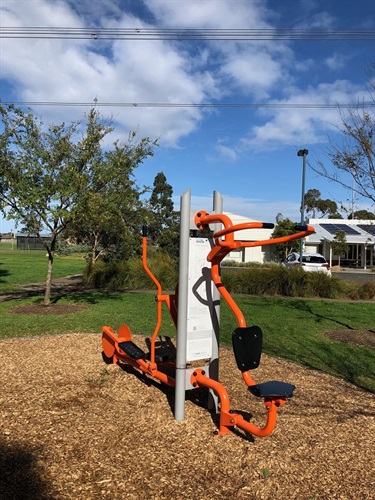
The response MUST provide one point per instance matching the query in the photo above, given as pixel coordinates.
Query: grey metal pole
(213, 400)
(183, 284)
(303, 153)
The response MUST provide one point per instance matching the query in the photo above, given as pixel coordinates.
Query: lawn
(293, 329)
(18, 267)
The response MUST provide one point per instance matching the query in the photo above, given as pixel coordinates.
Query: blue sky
(247, 154)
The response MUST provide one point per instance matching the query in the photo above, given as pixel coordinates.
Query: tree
(109, 219)
(48, 174)
(339, 244)
(353, 161)
(164, 222)
(314, 204)
(285, 227)
(362, 215)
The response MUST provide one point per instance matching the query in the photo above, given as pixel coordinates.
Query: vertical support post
(179, 408)
(213, 400)
(303, 153)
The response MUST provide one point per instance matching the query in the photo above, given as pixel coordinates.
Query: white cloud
(226, 152)
(168, 72)
(336, 61)
(295, 126)
(210, 13)
(74, 71)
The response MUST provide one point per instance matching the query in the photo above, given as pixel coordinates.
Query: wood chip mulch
(72, 427)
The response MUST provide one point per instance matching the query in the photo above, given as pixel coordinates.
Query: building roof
(356, 230)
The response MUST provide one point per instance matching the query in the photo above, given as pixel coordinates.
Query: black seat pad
(272, 389)
(247, 347)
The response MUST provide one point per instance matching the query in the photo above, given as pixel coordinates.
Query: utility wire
(193, 105)
(273, 34)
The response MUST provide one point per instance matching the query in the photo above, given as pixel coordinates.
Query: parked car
(310, 262)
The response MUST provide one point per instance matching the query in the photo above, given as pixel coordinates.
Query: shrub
(271, 279)
(367, 290)
(131, 275)
(278, 280)
(321, 285)
(114, 275)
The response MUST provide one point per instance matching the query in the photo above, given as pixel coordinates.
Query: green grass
(19, 267)
(293, 328)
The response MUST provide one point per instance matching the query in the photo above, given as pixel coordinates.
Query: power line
(193, 105)
(139, 34)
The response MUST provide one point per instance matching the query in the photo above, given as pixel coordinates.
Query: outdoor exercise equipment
(194, 309)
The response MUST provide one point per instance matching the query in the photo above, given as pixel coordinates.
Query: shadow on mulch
(20, 474)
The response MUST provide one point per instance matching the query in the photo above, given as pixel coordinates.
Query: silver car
(310, 262)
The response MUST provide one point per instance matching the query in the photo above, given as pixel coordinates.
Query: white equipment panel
(199, 302)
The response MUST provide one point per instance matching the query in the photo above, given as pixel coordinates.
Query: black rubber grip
(144, 230)
(300, 227)
(268, 225)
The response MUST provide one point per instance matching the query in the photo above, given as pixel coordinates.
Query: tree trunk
(47, 293)
(94, 247)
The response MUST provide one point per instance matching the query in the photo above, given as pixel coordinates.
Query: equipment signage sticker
(200, 303)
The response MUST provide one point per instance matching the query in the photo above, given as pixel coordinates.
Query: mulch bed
(363, 337)
(75, 428)
(43, 310)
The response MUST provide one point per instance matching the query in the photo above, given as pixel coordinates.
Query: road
(359, 276)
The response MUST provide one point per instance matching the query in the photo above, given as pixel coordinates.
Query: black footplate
(273, 389)
(132, 350)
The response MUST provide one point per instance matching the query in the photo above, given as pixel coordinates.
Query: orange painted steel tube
(201, 379)
(229, 419)
(226, 295)
(160, 299)
(111, 348)
(144, 367)
(248, 378)
(145, 266)
(254, 429)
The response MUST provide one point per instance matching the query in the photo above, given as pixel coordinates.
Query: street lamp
(303, 153)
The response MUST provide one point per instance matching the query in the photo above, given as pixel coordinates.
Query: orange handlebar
(225, 243)
(228, 243)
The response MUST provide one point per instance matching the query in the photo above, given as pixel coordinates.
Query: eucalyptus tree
(50, 175)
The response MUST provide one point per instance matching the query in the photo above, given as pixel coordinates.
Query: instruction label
(201, 311)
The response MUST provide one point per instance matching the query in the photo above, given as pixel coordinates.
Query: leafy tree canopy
(285, 227)
(362, 215)
(52, 175)
(339, 244)
(315, 206)
(164, 222)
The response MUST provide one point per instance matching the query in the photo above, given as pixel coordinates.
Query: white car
(310, 262)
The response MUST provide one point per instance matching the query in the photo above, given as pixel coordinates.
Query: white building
(360, 237)
(259, 254)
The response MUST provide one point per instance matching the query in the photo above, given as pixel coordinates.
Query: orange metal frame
(111, 341)
(224, 242)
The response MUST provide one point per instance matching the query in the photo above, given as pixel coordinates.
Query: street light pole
(303, 153)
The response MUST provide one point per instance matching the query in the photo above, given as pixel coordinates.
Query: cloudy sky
(230, 114)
